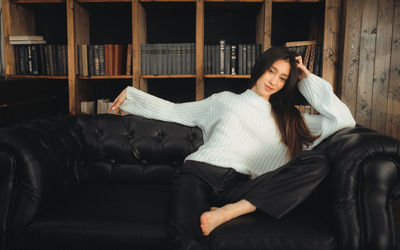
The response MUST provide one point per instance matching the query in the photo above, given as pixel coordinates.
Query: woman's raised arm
(134, 101)
(334, 114)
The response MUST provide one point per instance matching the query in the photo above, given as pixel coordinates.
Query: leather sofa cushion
(112, 216)
(303, 228)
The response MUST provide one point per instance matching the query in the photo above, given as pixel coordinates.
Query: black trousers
(198, 186)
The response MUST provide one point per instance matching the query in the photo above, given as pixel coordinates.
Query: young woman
(253, 156)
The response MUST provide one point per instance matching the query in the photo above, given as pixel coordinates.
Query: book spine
(164, 59)
(240, 59)
(91, 61)
(143, 59)
(307, 56)
(244, 60)
(253, 56)
(55, 65)
(96, 60)
(47, 59)
(65, 58)
(221, 64)
(249, 59)
(16, 59)
(233, 60)
(129, 60)
(193, 57)
(60, 65)
(102, 64)
(312, 59)
(188, 55)
(153, 65)
(227, 59)
(78, 60)
(218, 58)
(212, 59)
(84, 60)
(30, 62)
(205, 58)
(35, 61)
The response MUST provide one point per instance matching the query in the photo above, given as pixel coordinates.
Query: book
(85, 69)
(128, 70)
(96, 50)
(227, 59)
(88, 107)
(22, 38)
(233, 60)
(102, 65)
(221, 68)
(27, 42)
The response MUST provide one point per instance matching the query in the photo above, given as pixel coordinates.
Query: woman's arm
(137, 102)
(334, 114)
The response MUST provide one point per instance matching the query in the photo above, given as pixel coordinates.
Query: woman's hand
(302, 69)
(118, 101)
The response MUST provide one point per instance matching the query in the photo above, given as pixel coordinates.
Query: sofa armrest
(37, 166)
(364, 177)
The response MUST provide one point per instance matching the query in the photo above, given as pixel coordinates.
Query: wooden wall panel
(394, 77)
(370, 63)
(366, 62)
(382, 62)
(351, 47)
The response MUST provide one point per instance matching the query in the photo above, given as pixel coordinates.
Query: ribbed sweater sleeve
(334, 114)
(149, 106)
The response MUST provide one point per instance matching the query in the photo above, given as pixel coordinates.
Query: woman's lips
(267, 88)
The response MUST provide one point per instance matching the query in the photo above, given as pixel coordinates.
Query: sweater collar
(253, 98)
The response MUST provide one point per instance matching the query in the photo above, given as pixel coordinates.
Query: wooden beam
(72, 88)
(199, 50)
(267, 24)
(135, 44)
(331, 40)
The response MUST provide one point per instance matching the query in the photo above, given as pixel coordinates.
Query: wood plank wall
(369, 82)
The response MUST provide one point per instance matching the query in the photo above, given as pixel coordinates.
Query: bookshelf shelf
(105, 77)
(138, 22)
(38, 77)
(166, 76)
(228, 76)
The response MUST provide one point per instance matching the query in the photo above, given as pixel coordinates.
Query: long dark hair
(294, 132)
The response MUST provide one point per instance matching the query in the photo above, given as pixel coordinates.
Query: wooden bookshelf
(19, 18)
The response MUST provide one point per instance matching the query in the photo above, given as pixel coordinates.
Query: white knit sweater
(239, 131)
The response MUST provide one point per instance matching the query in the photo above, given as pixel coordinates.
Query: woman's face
(273, 79)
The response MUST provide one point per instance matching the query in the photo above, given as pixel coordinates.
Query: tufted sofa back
(132, 149)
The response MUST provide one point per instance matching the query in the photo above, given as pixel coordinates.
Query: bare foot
(211, 219)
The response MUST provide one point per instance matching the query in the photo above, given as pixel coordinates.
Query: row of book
(100, 106)
(41, 59)
(311, 53)
(230, 59)
(104, 59)
(168, 59)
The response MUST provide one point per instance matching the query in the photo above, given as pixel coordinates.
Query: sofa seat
(301, 229)
(104, 216)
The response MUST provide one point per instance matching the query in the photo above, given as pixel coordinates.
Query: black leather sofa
(103, 182)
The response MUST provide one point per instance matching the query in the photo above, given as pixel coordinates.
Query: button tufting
(191, 137)
(144, 162)
(112, 161)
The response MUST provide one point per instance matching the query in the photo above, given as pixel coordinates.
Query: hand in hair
(302, 69)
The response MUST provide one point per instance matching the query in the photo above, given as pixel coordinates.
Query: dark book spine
(244, 60)
(55, 66)
(212, 53)
(240, 59)
(253, 56)
(205, 59)
(169, 59)
(30, 62)
(47, 58)
(317, 63)
(193, 58)
(60, 61)
(258, 51)
(90, 59)
(153, 59)
(35, 61)
(142, 59)
(209, 51)
(42, 63)
(221, 68)
(218, 59)
(249, 59)
(227, 59)
(65, 59)
(234, 60)
(188, 55)
(179, 59)
(96, 60)
(102, 62)
(16, 59)
(164, 59)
